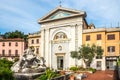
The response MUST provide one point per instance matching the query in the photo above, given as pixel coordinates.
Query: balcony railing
(6, 55)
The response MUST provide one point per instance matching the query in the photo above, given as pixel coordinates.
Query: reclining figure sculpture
(29, 62)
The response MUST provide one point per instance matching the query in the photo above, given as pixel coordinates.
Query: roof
(14, 39)
(61, 13)
(117, 29)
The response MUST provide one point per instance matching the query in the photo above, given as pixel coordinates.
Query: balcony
(6, 55)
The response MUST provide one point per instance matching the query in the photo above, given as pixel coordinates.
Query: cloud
(98, 11)
(23, 14)
(16, 17)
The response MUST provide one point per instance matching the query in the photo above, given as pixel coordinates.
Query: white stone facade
(57, 51)
(101, 65)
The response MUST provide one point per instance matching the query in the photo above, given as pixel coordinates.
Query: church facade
(61, 33)
(64, 30)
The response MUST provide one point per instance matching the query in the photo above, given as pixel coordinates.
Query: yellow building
(109, 40)
(34, 41)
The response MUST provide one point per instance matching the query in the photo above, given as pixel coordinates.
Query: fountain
(29, 66)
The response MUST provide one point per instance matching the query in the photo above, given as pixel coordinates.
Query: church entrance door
(60, 62)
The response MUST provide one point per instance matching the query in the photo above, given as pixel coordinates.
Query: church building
(61, 33)
(64, 30)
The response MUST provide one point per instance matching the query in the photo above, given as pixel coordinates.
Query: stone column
(79, 39)
(47, 48)
(50, 53)
(42, 42)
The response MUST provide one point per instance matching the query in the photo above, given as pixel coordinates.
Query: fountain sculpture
(29, 65)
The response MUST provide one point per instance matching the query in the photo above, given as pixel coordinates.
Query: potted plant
(62, 72)
(72, 77)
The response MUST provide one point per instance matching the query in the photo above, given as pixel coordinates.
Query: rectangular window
(98, 64)
(16, 44)
(37, 41)
(37, 50)
(16, 52)
(3, 52)
(111, 49)
(9, 53)
(111, 37)
(9, 43)
(32, 42)
(3, 44)
(98, 36)
(87, 37)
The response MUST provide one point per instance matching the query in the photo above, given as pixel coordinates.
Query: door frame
(60, 55)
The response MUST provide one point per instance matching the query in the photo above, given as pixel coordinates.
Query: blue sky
(23, 14)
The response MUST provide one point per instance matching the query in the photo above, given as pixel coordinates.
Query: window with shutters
(98, 36)
(3, 52)
(111, 48)
(111, 37)
(87, 37)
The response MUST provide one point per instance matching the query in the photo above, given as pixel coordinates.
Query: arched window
(60, 35)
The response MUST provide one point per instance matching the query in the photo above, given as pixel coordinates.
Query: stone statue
(29, 62)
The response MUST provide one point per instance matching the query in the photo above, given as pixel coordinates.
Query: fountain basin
(27, 76)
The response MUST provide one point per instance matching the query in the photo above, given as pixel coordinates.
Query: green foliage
(49, 74)
(74, 54)
(92, 69)
(5, 72)
(99, 51)
(118, 62)
(5, 63)
(16, 59)
(15, 34)
(87, 53)
(82, 69)
(74, 68)
(43, 77)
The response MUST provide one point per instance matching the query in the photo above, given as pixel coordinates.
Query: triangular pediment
(59, 13)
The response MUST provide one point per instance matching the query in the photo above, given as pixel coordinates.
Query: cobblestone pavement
(102, 75)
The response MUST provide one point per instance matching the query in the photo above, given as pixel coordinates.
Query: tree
(5, 71)
(74, 54)
(15, 34)
(87, 53)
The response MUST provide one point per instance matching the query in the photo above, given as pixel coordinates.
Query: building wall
(104, 43)
(76, 29)
(36, 38)
(13, 48)
(93, 39)
(73, 28)
(115, 42)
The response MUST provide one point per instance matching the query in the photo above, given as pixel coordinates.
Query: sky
(23, 15)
